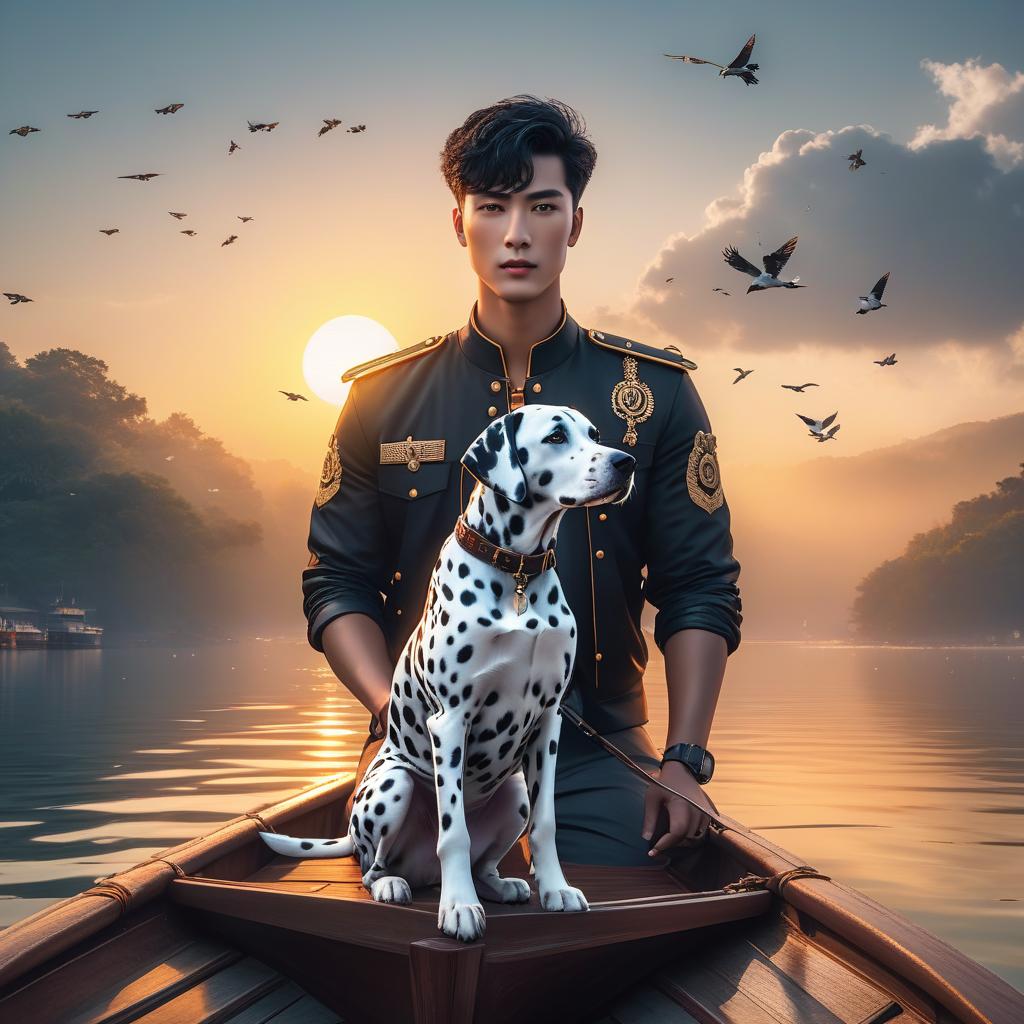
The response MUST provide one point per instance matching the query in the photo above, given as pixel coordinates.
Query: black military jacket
(392, 487)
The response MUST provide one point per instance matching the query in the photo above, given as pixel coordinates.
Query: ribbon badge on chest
(330, 475)
(632, 400)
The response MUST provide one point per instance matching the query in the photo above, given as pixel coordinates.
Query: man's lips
(512, 264)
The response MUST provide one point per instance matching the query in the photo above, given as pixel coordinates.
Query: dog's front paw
(503, 890)
(391, 889)
(464, 921)
(565, 898)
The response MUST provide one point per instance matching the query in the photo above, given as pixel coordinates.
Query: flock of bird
(740, 67)
(25, 130)
(775, 261)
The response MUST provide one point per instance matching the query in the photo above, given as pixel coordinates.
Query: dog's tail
(288, 846)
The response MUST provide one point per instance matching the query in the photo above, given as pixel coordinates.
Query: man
(392, 487)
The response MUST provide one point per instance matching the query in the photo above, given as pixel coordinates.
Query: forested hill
(960, 581)
(132, 515)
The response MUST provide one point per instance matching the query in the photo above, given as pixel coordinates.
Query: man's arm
(347, 572)
(691, 580)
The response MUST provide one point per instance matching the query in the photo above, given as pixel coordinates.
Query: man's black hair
(493, 148)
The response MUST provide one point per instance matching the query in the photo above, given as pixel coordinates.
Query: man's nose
(517, 233)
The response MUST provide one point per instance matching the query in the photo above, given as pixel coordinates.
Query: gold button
(599, 554)
(603, 516)
(413, 492)
(398, 575)
(597, 657)
(536, 388)
(492, 410)
(495, 385)
(398, 611)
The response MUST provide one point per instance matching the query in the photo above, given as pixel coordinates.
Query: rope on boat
(774, 883)
(115, 890)
(178, 869)
(259, 821)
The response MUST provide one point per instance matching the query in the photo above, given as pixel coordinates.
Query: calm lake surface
(899, 771)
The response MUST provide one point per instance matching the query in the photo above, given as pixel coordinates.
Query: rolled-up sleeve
(346, 571)
(691, 572)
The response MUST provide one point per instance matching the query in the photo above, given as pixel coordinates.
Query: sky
(361, 224)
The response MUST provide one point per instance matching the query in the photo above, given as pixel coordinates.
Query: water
(898, 771)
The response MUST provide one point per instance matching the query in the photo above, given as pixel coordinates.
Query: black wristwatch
(695, 757)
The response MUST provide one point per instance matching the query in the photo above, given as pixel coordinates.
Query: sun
(337, 345)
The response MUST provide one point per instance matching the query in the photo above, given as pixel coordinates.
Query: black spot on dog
(447, 591)
(453, 701)
(463, 570)
(531, 623)
(467, 597)
(456, 757)
(545, 477)
(462, 626)
(553, 595)
(496, 587)
(504, 722)
(552, 620)
(491, 698)
(410, 746)
(465, 653)
(486, 735)
(407, 714)
(307, 846)
(446, 821)
(505, 748)
(524, 811)
(386, 785)
(378, 809)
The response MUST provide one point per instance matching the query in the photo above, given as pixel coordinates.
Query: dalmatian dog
(469, 758)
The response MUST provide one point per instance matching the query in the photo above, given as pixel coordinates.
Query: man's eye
(486, 205)
(548, 205)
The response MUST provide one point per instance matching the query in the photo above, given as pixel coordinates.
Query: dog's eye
(555, 437)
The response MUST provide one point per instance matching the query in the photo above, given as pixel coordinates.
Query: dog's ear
(493, 458)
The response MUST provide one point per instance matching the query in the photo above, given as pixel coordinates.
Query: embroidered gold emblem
(411, 452)
(632, 400)
(330, 475)
(702, 477)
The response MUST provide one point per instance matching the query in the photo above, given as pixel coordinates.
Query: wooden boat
(219, 930)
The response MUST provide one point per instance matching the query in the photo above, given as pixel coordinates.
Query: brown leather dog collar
(501, 558)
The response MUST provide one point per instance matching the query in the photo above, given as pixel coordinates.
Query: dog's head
(549, 454)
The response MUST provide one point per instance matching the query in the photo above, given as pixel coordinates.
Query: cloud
(944, 214)
(988, 102)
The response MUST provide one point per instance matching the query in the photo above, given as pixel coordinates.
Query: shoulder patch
(394, 358)
(669, 356)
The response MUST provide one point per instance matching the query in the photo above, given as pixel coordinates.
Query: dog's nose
(623, 462)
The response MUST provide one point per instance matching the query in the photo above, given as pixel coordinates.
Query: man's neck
(516, 326)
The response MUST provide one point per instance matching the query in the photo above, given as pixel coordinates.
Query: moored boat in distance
(66, 626)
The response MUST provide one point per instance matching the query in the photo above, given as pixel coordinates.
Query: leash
(589, 730)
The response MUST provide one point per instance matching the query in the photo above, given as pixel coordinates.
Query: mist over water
(898, 771)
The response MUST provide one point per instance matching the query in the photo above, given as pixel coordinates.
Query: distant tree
(962, 580)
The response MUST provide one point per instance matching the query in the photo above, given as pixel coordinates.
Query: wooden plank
(708, 995)
(444, 974)
(646, 1005)
(132, 972)
(288, 1004)
(214, 1000)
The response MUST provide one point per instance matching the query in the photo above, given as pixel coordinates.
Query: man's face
(535, 224)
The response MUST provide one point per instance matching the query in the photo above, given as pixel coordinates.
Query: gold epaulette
(393, 358)
(670, 355)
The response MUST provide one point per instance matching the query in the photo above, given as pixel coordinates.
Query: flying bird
(855, 160)
(798, 387)
(23, 130)
(829, 435)
(110, 231)
(178, 216)
(234, 145)
(873, 300)
(773, 263)
(141, 177)
(171, 108)
(16, 297)
(817, 426)
(168, 458)
(292, 396)
(669, 280)
(722, 290)
(356, 128)
(244, 220)
(188, 232)
(889, 360)
(329, 123)
(84, 113)
(742, 373)
(229, 240)
(260, 127)
(738, 68)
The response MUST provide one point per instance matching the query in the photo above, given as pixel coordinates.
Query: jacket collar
(544, 355)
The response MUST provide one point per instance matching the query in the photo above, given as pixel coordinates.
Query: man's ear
(493, 459)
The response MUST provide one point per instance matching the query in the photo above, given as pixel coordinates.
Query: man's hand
(686, 825)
